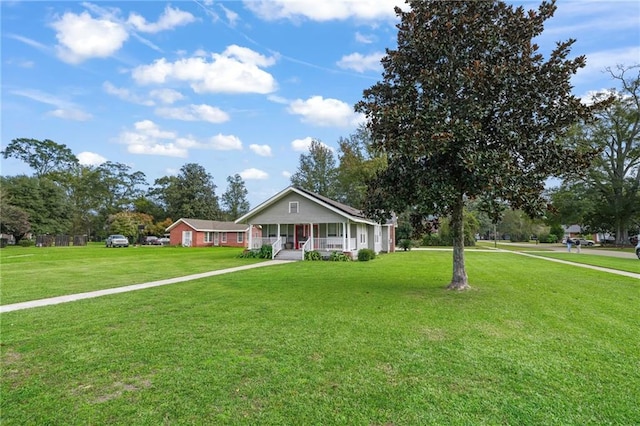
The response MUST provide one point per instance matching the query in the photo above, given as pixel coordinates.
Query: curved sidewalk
(91, 294)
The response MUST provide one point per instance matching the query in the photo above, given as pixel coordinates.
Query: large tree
(317, 170)
(190, 194)
(358, 164)
(42, 156)
(614, 176)
(468, 107)
(234, 199)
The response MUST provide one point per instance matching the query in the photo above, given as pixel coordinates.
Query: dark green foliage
(14, 221)
(338, 256)
(317, 170)
(406, 244)
(266, 252)
(234, 198)
(43, 157)
(312, 255)
(26, 243)
(365, 255)
(190, 194)
(469, 108)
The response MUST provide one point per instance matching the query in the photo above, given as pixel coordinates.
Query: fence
(60, 240)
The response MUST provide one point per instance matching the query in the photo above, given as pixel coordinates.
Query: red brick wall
(197, 238)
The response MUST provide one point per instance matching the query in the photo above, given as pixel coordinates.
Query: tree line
(63, 196)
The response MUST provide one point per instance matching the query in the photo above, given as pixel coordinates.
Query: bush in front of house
(405, 244)
(366, 254)
(338, 256)
(266, 252)
(26, 243)
(312, 255)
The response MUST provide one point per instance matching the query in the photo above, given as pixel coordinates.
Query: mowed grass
(621, 264)
(361, 343)
(29, 273)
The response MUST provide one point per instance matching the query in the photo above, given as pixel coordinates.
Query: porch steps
(289, 255)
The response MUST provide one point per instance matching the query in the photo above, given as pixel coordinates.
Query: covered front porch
(347, 237)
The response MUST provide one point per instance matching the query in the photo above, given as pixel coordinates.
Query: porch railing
(258, 242)
(306, 247)
(275, 248)
(329, 244)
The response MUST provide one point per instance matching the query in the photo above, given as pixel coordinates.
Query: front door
(303, 233)
(216, 238)
(186, 238)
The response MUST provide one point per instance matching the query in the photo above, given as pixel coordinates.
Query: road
(563, 248)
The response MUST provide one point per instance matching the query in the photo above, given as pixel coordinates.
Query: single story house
(207, 233)
(300, 220)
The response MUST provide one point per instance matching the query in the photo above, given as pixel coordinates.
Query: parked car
(638, 250)
(151, 241)
(116, 241)
(164, 241)
(585, 242)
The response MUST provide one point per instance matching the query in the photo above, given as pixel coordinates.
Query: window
(240, 238)
(293, 207)
(332, 230)
(223, 237)
(208, 237)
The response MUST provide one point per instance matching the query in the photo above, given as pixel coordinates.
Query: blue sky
(235, 86)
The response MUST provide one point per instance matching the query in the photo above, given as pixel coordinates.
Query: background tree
(614, 176)
(190, 194)
(317, 170)
(126, 223)
(42, 156)
(43, 200)
(357, 165)
(234, 199)
(120, 186)
(468, 107)
(14, 221)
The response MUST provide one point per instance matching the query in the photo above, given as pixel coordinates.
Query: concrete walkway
(566, 262)
(107, 291)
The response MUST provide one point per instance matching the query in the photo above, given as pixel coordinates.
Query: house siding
(308, 211)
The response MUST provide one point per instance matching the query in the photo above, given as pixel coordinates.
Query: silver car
(116, 241)
(638, 249)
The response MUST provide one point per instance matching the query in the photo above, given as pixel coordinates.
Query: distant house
(207, 233)
(299, 220)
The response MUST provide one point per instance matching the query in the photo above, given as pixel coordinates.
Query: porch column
(348, 236)
(278, 235)
(345, 241)
(311, 236)
(250, 236)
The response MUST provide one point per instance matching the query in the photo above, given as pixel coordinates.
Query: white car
(116, 241)
(638, 249)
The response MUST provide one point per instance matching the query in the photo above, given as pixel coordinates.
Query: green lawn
(38, 272)
(361, 343)
(629, 265)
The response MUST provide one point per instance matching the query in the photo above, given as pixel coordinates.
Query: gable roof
(342, 209)
(209, 225)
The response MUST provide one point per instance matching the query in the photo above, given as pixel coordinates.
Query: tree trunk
(459, 280)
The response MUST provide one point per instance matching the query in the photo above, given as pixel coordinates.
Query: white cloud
(325, 112)
(169, 19)
(28, 41)
(232, 17)
(125, 94)
(70, 114)
(148, 138)
(236, 70)
(87, 158)
(200, 112)
(365, 39)
(302, 145)
(253, 174)
(325, 10)
(81, 37)
(361, 63)
(597, 62)
(166, 96)
(64, 109)
(222, 142)
(261, 150)
(286, 174)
